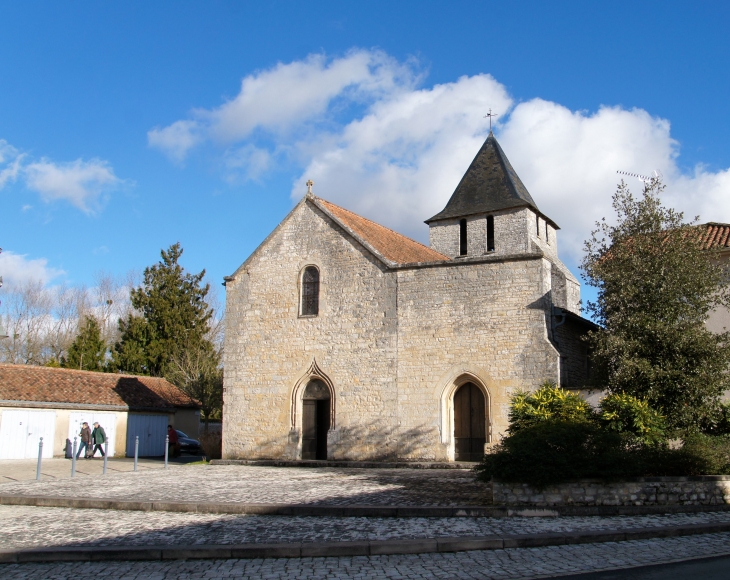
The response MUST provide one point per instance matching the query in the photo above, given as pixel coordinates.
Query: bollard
(136, 451)
(73, 460)
(40, 456)
(167, 449)
(106, 453)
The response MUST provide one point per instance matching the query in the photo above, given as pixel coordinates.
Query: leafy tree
(549, 402)
(656, 286)
(171, 316)
(88, 350)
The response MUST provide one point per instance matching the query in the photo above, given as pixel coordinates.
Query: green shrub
(624, 413)
(553, 452)
(549, 402)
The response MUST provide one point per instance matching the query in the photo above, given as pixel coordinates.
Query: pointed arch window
(310, 291)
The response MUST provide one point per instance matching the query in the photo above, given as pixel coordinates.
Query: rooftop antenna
(643, 178)
(489, 115)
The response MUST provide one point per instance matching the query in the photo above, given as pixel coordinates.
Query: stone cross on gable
(309, 185)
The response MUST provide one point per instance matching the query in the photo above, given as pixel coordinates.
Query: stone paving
(29, 527)
(509, 564)
(288, 485)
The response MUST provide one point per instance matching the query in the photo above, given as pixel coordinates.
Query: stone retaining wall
(701, 490)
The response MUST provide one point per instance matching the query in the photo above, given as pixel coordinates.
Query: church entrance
(315, 420)
(469, 423)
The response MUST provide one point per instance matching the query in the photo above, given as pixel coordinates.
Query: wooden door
(309, 429)
(469, 423)
(315, 425)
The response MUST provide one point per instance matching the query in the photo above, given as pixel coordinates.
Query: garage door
(107, 420)
(151, 430)
(20, 432)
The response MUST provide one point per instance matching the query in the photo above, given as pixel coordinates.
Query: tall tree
(656, 286)
(171, 314)
(88, 350)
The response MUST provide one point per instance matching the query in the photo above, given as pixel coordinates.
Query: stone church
(348, 341)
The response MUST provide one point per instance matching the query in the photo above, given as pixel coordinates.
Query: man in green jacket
(98, 437)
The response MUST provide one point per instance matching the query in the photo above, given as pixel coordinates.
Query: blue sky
(125, 127)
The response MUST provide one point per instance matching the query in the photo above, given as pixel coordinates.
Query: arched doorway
(315, 420)
(469, 423)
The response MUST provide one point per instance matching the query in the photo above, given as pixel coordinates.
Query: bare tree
(26, 318)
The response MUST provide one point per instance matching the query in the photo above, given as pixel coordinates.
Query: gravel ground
(289, 485)
(27, 527)
(507, 564)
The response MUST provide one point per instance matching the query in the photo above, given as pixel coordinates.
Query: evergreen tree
(172, 316)
(88, 350)
(656, 286)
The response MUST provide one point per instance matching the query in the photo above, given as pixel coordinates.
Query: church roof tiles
(391, 245)
(490, 184)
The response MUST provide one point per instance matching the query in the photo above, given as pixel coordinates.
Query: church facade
(348, 341)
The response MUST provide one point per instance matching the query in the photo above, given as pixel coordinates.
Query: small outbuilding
(53, 403)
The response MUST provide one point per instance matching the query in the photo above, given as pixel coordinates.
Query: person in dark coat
(173, 441)
(85, 444)
(98, 437)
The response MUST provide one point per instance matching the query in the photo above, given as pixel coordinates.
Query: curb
(355, 548)
(359, 511)
(464, 465)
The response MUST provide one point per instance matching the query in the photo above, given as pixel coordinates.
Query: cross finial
(490, 115)
(309, 185)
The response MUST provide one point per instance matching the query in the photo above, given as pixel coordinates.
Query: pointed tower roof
(489, 184)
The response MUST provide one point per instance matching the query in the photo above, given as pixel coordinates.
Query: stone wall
(701, 490)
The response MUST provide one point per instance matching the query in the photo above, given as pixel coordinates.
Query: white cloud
(286, 96)
(10, 160)
(18, 269)
(176, 139)
(79, 182)
(374, 142)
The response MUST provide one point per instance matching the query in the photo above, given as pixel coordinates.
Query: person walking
(85, 444)
(98, 437)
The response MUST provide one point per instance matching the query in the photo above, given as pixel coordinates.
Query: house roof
(715, 235)
(391, 245)
(66, 386)
(490, 184)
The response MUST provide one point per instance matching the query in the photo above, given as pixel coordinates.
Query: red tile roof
(391, 245)
(52, 385)
(715, 235)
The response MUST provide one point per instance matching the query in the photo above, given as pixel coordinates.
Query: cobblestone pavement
(290, 485)
(28, 527)
(14, 470)
(507, 564)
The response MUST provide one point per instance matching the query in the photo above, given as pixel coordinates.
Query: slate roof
(716, 235)
(391, 245)
(52, 385)
(490, 184)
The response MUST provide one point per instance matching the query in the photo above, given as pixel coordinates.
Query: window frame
(303, 295)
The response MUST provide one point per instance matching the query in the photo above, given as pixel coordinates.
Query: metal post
(73, 460)
(167, 448)
(106, 453)
(136, 451)
(40, 455)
